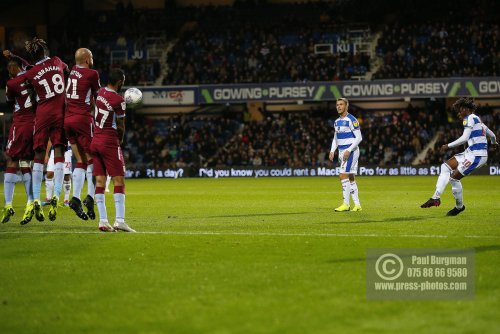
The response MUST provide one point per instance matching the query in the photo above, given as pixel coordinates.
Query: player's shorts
(468, 162)
(48, 126)
(20, 143)
(350, 166)
(108, 159)
(68, 167)
(79, 130)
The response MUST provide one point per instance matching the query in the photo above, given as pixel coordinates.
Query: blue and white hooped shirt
(477, 142)
(344, 128)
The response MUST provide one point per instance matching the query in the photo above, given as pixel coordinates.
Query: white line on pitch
(435, 236)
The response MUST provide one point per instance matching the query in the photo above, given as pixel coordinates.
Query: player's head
(84, 58)
(464, 106)
(342, 105)
(14, 67)
(36, 48)
(116, 79)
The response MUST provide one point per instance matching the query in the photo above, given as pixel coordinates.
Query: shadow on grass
(386, 220)
(479, 249)
(262, 214)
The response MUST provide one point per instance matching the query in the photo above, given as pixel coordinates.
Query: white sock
(108, 181)
(119, 206)
(27, 186)
(346, 190)
(101, 206)
(456, 188)
(354, 193)
(9, 184)
(78, 180)
(36, 180)
(442, 182)
(58, 178)
(90, 182)
(67, 189)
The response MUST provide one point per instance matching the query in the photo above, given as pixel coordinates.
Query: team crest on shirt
(356, 124)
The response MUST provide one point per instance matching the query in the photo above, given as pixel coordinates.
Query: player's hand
(7, 53)
(494, 146)
(444, 148)
(346, 155)
(332, 155)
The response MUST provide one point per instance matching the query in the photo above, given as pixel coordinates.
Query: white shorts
(468, 162)
(68, 156)
(351, 165)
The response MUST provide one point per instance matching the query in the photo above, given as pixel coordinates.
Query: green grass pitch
(245, 256)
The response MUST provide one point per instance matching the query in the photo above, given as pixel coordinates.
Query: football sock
(101, 204)
(119, 195)
(27, 183)
(67, 189)
(9, 184)
(456, 188)
(346, 190)
(443, 179)
(354, 193)
(78, 179)
(108, 181)
(36, 179)
(90, 181)
(58, 175)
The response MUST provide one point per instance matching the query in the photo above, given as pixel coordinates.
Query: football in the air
(133, 97)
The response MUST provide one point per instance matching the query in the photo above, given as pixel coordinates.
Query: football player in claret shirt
(476, 135)
(81, 90)
(106, 151)
(20, 143)
(47, 78)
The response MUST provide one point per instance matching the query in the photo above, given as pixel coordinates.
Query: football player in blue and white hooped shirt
(462, 164)
(347, 138)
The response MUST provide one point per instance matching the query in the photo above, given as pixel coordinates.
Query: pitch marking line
(331, 235)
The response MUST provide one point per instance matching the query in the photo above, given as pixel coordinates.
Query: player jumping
(20, 144)
(475, 135)
(347, 138)
(47, 79)
(83, 84)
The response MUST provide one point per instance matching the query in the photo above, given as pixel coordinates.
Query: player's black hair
(464, 102)
(36, 48)
(115, 75)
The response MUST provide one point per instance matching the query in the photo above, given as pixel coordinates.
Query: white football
(133, 96)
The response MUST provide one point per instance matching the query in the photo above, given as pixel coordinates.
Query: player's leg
(79, 173)
(443, 180)
(78, 179)
(36, 181)
(119, 197)
(108, 181)
(25, 166)
(355, 193)
(345, 170)
(66, 188)
(100, 177)
(58, 179)
(9, 184)
(346, 193)
(457, 190)
(89, 200)
(49, 175)
(465, 167)
(115, 166)
(352, 179)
